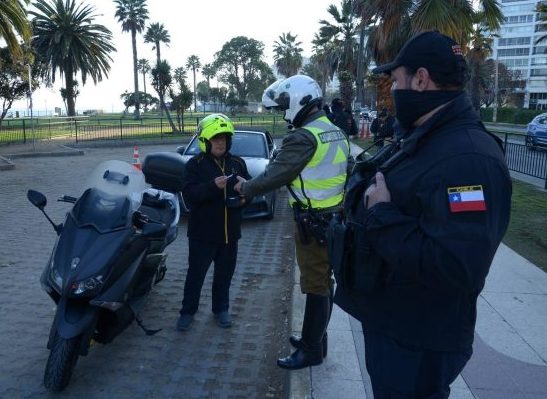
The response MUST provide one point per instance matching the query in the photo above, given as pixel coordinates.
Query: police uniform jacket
(449, 209)
(209, 219)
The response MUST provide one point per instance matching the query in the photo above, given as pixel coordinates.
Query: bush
(511, 115)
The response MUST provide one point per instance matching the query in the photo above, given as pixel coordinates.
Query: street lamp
(30, 105)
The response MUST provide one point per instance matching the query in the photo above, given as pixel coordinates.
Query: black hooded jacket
(435, 248)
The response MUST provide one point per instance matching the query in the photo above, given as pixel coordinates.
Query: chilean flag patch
(466, 199)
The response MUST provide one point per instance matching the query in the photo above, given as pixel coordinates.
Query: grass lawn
(527, 233)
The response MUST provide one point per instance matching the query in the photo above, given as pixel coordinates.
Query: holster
(311, 224)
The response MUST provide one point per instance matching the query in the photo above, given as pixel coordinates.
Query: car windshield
(244, 144)
(541, 120)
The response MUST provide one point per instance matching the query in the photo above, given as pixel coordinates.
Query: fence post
(121, 130)
(76, 129)
(24, 133)
(161, 127)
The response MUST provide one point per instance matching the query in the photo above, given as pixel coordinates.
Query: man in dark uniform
(312, 163)
(214, 221)
(433, 221)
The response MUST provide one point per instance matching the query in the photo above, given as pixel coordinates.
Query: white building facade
(518, 49)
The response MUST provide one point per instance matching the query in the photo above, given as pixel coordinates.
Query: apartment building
(518, 48)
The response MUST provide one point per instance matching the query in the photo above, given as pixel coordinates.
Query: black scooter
(108, 254)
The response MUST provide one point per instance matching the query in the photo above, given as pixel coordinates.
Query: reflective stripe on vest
(324, 176)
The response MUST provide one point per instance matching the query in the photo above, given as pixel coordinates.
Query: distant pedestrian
(429, 227)
(340, 117)
(382, 127)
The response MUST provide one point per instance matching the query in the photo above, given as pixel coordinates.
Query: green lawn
(527, 233)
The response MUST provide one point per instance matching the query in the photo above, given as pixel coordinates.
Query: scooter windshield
(113, 191)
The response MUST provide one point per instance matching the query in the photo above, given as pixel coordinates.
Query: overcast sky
(199, 28)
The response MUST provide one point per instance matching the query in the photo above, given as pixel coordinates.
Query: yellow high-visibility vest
(324, 177)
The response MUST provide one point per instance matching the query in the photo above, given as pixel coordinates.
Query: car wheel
(271, 212)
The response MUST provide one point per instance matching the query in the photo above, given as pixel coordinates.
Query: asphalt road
(205, 362)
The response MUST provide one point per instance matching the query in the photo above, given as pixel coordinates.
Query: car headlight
(89, 286)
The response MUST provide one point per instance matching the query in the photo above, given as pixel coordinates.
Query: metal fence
(86, 129)
(520, 158)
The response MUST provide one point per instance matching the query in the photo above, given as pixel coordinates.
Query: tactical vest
(321, 183)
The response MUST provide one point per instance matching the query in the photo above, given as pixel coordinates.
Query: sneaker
(224, 319)
(185, 322)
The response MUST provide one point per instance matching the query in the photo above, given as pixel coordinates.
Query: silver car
(257, 148)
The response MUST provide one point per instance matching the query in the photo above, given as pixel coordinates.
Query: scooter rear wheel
(61, 361)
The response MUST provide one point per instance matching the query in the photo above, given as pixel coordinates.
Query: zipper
(225, 207)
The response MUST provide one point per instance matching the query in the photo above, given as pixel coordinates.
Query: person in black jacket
(342, 118)
(382, 127)
(433, 223)
(214, 221)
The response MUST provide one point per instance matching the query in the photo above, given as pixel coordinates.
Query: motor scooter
(108, 254)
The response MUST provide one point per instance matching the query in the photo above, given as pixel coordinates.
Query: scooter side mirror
(37, 199)
(180, 149)
(154, 230)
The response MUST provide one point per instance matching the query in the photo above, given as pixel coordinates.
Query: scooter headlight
(55, 278)
(89, 286)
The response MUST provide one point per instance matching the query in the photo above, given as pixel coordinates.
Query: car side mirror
(180, 149)
(154, 230)
(37, 199)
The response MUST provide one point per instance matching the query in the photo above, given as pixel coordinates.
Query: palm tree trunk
(162, 102)
(195, 96)
(173, 126)
(144, 88)
(135, 73)
(383, 88)
(360, 66)
(69, 82)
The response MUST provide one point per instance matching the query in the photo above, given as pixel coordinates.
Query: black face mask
(412, 104)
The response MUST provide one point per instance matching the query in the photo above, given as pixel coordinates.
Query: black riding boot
(310, 353)
(296, 340)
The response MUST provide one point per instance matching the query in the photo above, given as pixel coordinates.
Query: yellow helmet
(211, 126)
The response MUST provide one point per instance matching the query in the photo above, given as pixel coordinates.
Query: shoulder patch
(466, 199)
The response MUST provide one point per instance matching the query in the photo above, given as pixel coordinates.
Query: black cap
(431, 50)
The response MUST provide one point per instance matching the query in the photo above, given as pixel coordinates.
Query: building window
(538, 72)
(540, 50)
(539, 61)
(512, 52)
(514, 41)
(519, 19)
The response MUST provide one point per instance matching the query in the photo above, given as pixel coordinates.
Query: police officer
(312, 163)
(214, 221)
(434, 222)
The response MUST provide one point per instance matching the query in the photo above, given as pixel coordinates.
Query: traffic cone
(367, 131)
(136, 158)
(362, 130)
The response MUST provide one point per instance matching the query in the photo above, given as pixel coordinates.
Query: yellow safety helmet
(211, 126)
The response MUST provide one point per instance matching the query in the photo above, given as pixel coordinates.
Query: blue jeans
(200, 256)
(400, 372)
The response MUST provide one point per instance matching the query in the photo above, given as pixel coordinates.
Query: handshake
(240, 181)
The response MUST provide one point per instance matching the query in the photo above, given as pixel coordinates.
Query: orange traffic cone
(362, 130)
(367, 131)
(136, 158)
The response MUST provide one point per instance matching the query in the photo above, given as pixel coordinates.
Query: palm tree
(194, 64)
(394, 22)
(132, 14)
(325, 60)
(342, 35)
(161, 81)
(13, 22)
(209, 72)
(157, 34)
(287, 54)
(480, 49)
(144, 67)
(66, 38)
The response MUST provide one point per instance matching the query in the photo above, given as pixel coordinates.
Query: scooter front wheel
(61, 362)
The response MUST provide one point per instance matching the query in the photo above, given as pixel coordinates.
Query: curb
(6, 164)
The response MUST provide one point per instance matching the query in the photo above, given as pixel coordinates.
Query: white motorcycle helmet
(269, 95)
(296, 96)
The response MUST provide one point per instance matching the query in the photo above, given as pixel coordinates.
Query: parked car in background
(257, 148)
(536, 132)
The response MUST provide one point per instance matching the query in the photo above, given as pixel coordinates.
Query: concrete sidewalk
(510, 349)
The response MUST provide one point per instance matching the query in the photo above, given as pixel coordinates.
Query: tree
(157, 34)
(132, 14)
(219, 95)
(341, 34)
(208, 71)
(181, 100)
(75, 92)
(481, 47)
(325, 62)
(144, 67)
(240, 64)
(287, 54)
(13, 81)
(510, 84)
(66, 40)
(394, 22)
(194, 64)
(202, 92)
(130, 99)
(13, 22)
(161, 81)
